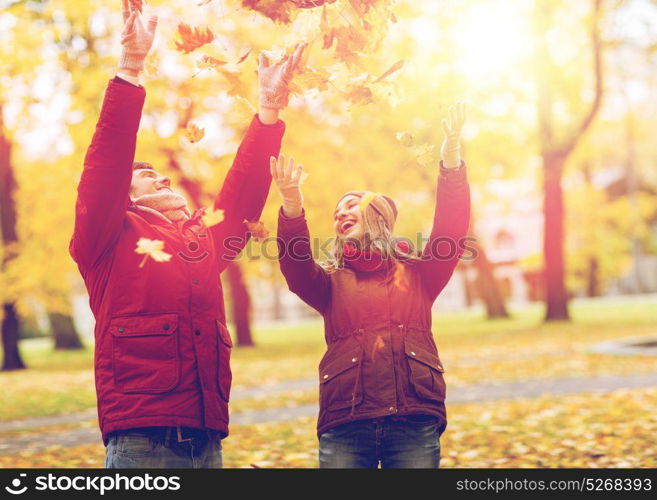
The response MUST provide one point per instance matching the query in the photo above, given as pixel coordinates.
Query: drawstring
(402, 332)
(358, 336)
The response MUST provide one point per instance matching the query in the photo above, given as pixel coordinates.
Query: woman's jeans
(137, 448)
(407, 442)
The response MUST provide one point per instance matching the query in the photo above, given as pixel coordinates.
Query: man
(162, 348)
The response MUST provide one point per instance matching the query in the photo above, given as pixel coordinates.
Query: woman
(382, 390)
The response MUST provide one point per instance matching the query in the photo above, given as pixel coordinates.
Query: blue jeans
(396, 442)
(135, 449)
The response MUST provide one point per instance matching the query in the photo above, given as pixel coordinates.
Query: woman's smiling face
(347, 219)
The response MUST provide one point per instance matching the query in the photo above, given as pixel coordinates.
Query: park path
(88, 433)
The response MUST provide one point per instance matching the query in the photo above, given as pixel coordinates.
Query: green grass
(473, 349)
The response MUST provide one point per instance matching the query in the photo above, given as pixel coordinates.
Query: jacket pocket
(340, 384)
(425, 371)
(224, 374)
(145, 355)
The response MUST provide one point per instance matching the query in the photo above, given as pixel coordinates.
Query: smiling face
(148, 181)
(348, 218)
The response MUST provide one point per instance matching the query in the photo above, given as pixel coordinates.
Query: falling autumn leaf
(366, 200)
(244, 56)
(406, 139)
(424, 154)
(395, 67)
(153, 249)
(377, 346)
(192, 38)
(210, 62)
(235, 84)
(194, 133)
(308, 78)
(257, 229)
(276, 10)
(359, 94)
(212, 217)
(399, 279)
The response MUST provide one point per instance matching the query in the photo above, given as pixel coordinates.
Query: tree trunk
(592, 282)
(277, 305)
(12, 358)
(556, 296)
(556, 150)
(241, 305)
(64, 332)
(487, 286)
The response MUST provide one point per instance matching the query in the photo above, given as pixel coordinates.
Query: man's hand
(274, 82)
(451, 148)
(136, 38)
(287, 178)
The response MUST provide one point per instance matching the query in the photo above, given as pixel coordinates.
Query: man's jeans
(138, 449)
(397, 442)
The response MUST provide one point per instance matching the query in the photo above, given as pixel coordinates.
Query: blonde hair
(377, 235)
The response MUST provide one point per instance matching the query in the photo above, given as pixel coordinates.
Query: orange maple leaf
(377, 346)
(276, 10)
(194, 133)
(257, 229)
(399, 279)
(192, 38)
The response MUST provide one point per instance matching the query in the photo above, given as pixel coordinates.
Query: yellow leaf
(309, 78)
(359, 94)
(153, 249)
(405, 138)
(210, 62)
(194, 133)
(212, 217)
(395, 67)
(366, 200)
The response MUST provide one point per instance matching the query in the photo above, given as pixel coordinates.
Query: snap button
(325, 377)
(121, 330)
(353, 360)
(197, 332)
(391, 409)
(412, 353)
(165, 326)
(195, 281)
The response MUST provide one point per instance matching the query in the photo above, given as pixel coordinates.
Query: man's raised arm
(246, 186)
(103, 191)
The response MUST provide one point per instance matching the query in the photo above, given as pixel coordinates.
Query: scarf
(167, 205)
(371, 259)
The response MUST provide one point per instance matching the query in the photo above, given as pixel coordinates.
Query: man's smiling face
(148, 181)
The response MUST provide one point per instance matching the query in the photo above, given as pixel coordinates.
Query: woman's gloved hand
(451, 147)
(287, 177)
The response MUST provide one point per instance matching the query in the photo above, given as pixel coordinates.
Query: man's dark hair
(142, 164)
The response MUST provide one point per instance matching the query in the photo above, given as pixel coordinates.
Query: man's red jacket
(162, 349)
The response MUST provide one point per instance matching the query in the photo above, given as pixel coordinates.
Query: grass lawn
(604, 430)
(612, 430)
(473, 349)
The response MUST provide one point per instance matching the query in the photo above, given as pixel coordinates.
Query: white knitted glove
(275, 78)
(288, 180)
(451, 148)
(136, 38)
